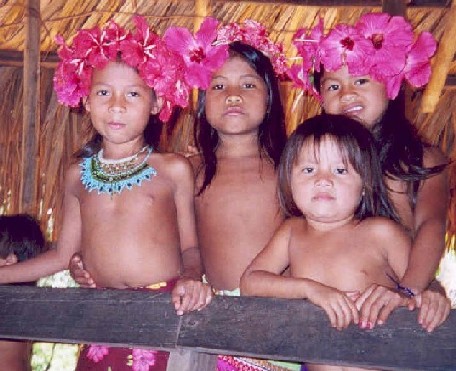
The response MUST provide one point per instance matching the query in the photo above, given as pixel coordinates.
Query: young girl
(127, 209)
(240, 132)
(358, 73)
(341, 236)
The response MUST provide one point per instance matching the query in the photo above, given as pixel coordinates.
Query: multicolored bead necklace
(113, 176)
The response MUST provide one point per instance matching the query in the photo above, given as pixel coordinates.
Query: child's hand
(376, 303)
(434, 308)
(190, 295)
(340, 309)
(79, 274)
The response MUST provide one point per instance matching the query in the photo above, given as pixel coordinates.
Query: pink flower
(97, 352)
(141, 46)
(418, 68)
(307, 42)
(142, 359)
(391, 38)
(72, 80)
(298, 74)
(345, 45)
(255, 34)
(200, 56)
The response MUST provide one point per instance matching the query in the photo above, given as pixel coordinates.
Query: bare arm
(429, 226)
(185, 206)
(377, 302)
(262, 278)
(56, 259)
(190, 293)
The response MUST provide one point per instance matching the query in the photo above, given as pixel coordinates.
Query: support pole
(30, 124)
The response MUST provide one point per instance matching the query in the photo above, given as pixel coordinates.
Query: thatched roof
(60, 130)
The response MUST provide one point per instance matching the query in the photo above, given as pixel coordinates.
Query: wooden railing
(292, 330)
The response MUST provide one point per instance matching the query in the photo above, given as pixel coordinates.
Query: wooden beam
(441, 63)
(394, 7)
(31, 124)
(347, 3)
(293, 330)
(15, 58)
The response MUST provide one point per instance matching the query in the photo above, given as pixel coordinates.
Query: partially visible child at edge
(21, 238)
(361, 70)
(240, 132)
(127, 209)
(342, 234)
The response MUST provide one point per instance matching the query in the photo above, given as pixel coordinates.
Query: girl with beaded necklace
(240, 132)
(128, 209)
(358, 71)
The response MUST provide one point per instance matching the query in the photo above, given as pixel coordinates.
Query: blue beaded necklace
(115, 175)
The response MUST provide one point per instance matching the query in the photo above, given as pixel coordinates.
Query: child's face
(324, 188)
(360, 97)
(120, 103)
(236, 100)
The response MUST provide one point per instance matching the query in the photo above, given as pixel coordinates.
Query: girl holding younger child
(358, 71)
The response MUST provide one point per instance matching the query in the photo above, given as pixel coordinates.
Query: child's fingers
(362, 298)
(205, 296)
(353, 295)
(75, 262)
(353, 311)
(191, 295)
(332, 316)
(177, 296)
(435, 308)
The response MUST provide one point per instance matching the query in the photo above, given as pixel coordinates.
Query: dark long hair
(358, 148)
(401, 149)
(399, 145)
(20, 234)
(271, 132)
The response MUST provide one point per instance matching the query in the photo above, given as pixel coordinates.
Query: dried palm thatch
(63, 131)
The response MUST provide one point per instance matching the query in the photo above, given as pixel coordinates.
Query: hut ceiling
(282, 18)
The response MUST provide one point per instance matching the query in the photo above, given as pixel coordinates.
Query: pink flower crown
(378, 45)
(171, 65)
(159, 67)
(207, 50)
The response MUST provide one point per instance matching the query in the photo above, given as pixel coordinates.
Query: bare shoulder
(433, 156)
(173, 164)
(73, 177)
(383, 229)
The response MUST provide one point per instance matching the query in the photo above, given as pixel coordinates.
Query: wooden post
(395, 7)
(441, 64)
(30, 128)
